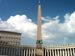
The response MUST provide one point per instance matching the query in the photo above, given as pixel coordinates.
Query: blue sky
(17, 12)
(29, 7)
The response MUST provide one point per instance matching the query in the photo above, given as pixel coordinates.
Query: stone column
(13, 52)
(19, 51)
(34, 52)
(70, 52)
(52, 52)
(1, 49)
(27, 52)
(55, 52)
(47, 52)
(63, 52)
(60, 52)
(9, 50)
(73, 52)
(24, 53)
(6, 50)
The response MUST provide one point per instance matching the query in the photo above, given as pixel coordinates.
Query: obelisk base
(39, 52)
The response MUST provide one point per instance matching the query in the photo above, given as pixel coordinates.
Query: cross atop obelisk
(39, 51)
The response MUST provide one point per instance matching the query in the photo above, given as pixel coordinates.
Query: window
(0, 37)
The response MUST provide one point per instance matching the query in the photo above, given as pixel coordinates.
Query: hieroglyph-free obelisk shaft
(39, 50)
(39, 29)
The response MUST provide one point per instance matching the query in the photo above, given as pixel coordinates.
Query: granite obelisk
(39, 51)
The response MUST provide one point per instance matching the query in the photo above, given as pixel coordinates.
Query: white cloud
(71, 23)
(23, 24)
(64, 31)
(51, 29)
(5, 26)
(61, 29)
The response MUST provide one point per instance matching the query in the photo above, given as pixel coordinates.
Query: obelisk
(39, 51)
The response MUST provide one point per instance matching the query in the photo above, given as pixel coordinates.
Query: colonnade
(26, 51)
(59, 52)
(29, 52)
(11, 51)
(16, 51)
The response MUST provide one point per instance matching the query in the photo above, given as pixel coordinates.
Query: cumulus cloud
(6, 26)
(51, 28)
(63, 31)
(23, 24)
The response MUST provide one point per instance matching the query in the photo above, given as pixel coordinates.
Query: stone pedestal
(39, 52)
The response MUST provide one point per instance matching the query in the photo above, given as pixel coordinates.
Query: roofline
(10, 31)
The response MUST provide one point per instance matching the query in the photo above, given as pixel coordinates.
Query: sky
(58, 17)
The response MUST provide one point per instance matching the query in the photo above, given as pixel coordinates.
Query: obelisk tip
(39, 2)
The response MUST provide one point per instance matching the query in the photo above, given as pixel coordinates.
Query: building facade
(9, 38)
